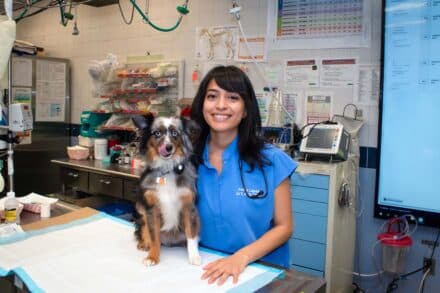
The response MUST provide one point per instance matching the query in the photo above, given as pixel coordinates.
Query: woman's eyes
(232, 97)
(211, 97)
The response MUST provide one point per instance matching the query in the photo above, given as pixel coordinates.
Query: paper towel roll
(7, 37)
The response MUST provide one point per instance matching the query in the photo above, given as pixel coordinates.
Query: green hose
(182, 9)
(25, 10)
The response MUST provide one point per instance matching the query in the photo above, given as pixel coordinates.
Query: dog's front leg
(191, 226)
(152, 230)
(153, 222)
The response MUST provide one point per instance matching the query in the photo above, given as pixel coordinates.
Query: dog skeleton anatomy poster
(216, 43)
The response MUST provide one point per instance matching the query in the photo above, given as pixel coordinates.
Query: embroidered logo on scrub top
(240, 191)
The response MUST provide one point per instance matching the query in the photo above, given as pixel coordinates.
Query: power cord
(357, 289)
(314, 124)
(125, 19)
(429, 263)
(392, 286)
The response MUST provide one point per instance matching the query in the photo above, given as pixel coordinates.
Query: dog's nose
(169, 147)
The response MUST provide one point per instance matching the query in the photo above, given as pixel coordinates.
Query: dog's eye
(174, 133)
(157, 133)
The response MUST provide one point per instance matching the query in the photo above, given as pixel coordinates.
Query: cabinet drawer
(310, 227)
(307, 254)
(130, 190)
(308, 193)
(309, 207)
(106, 185)
(75, 179)
(310, 180)
(308, 271)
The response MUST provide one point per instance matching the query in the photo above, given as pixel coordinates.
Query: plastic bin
(395, 247)
(120, 210)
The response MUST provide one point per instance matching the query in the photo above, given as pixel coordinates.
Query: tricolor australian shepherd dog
(165, 209)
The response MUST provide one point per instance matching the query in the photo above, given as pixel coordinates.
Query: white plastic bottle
(11, 208)
(100, 148)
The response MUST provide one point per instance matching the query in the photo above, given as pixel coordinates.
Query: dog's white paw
(195, 259)
(149, 262)
(193, 251)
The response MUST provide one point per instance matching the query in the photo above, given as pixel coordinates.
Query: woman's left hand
(223, 268)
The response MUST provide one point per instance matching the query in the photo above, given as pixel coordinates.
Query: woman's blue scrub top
(229, 219)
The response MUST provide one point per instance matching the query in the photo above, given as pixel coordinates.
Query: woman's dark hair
(250, 143)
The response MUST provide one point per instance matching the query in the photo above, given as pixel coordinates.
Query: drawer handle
(107, 182)
(74, 175)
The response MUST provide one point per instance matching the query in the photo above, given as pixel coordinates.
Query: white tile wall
(103, 31)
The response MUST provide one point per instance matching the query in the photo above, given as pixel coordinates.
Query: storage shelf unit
(324, 233)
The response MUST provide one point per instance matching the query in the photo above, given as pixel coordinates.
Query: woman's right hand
(221, 269)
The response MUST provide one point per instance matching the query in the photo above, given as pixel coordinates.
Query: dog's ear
(143, 123)
(191, 128)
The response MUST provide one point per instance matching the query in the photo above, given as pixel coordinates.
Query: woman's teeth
(220, 117)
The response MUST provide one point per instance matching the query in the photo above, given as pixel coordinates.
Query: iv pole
(10, 138)
(10, 151)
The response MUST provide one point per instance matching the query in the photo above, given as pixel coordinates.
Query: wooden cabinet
(96, 178)
(105, 185)
(75, 180)
(130, 190)
(324, 231)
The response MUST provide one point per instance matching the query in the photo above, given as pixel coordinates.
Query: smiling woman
(223, 110)
(243, 184)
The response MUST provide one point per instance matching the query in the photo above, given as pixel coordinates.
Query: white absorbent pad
(99, 254)
(7, 38)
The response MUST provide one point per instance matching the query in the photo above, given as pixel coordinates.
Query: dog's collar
(161, 179)
(177, 169)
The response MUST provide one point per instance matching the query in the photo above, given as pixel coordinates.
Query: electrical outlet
(426, 262)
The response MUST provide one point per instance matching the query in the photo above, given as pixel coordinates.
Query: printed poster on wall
(262, 107)
(301, 74)
(318, 107)
(22, 95)
(369, 84)
(338, 72)
(216, 43)
(273, 73)
(300, 24)
(22, 73)
(257, 49)
(50, 91)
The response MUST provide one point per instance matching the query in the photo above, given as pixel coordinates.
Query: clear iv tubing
(260, 71)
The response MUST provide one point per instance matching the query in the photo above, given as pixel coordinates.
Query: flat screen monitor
(321, 138)
(408, 176)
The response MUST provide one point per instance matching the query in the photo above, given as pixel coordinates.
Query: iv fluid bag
(7, 37)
